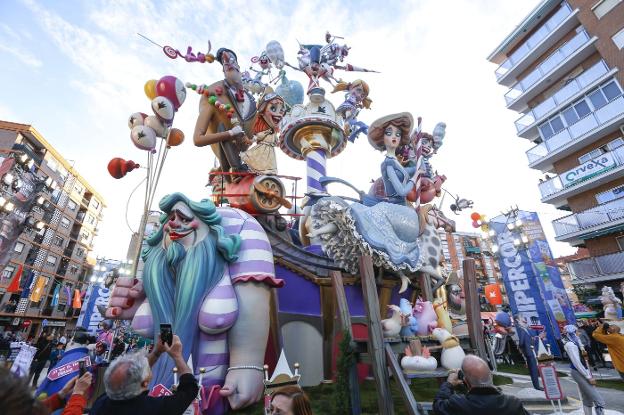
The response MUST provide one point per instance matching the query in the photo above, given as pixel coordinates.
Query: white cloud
(432, 60)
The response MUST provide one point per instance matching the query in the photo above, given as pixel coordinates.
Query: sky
(75, 70)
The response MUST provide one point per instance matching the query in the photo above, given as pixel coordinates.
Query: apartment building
(457, 246)
(563, 66)
(49, 216)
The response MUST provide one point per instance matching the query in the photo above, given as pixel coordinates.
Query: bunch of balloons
(167, 95)
(480, 221)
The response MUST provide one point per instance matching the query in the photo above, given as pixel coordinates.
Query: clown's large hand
(242, 387)
(127, 296)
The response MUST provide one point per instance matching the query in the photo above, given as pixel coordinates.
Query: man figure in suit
(227, 136)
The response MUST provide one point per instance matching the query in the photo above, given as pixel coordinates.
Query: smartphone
(166, 334)
(82, 368)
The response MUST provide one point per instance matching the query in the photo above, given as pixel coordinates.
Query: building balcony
(601, 170)
(539, 42)
(527, 124)
(597, 269)
(572, 138)
(601, 220)
(560, 62)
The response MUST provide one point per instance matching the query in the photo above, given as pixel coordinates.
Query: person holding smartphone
(483, 397)
(127, 382)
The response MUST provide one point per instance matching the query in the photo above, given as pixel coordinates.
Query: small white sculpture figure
(610, 303)
(392, 326)
(422, 363)
(452, 353)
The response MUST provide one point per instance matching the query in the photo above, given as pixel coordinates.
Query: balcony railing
(547, 65)
(590, 218)
(578, 130)
(573, 87)
(556, 184)
(535, 39)
(599, 266)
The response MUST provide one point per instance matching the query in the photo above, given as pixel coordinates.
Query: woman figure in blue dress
(387, 231)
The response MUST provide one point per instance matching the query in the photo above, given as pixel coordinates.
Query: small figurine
(356, 98)
(261, 157)
(316, 70)
(410, 325)
(392, 326)
(426, 317)
(612, 305)
(422, 362)
(452, 352)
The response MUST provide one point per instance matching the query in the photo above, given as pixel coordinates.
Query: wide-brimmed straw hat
(376, 129)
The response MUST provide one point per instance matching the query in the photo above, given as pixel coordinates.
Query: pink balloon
(173, 89)
(475, 224)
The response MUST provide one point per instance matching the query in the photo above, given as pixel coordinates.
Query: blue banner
(532, 280)
(90, 316)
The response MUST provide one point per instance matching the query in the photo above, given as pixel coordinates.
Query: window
(58, 241)
(551, 127)
(618, 142)
(80, 252)
(65, 222)
(618, 39)
(71, 205)
(19, 247)
(51, 260)
(78, 188)
(611, 90)
(73, 269)
(90, 219)
(7, 273)
(590, 156)
(603, 7)
(96, 204)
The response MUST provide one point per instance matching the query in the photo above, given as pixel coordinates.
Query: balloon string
(128, 203)
(160, 167)
(157, 168)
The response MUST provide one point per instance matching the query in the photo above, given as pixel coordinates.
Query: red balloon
(475, 224)
(119, 167)
(475, 216)
(173, 89)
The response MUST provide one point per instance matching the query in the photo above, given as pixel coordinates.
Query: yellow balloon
(150, 89)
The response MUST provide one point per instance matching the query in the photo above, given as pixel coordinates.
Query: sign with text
(550, 380)
(90, 316)
(67, 369)
(588, 169)
(23, 358)
(532, 280)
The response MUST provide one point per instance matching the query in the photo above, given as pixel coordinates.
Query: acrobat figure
(356, 98)
(312, 66)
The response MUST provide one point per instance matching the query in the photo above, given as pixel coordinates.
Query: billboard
(90, 317)
(532, 280)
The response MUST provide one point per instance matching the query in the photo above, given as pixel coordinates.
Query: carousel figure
(356, 98)
(261, 158)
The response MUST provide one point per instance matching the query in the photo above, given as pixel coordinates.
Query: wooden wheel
(268, 194)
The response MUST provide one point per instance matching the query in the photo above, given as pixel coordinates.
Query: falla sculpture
(209, 269)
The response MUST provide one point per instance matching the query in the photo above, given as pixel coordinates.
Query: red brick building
(563, 65)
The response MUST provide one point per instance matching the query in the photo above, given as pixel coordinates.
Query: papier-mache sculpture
(207, 273)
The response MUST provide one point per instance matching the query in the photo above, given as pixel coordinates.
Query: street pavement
(614, 398)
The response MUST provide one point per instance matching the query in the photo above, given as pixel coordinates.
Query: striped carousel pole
(315, 165)
(419, 162)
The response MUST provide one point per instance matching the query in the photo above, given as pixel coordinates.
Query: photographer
(483, 397)
(610, 335)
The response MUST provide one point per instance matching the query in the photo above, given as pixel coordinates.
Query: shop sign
(588, 169)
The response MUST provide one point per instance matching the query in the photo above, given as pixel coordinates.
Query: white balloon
(163, 109)
(154, 123)
(180, 91)
(143, 137)
(136, 119)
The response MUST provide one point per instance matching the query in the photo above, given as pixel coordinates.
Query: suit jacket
(481, 401)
